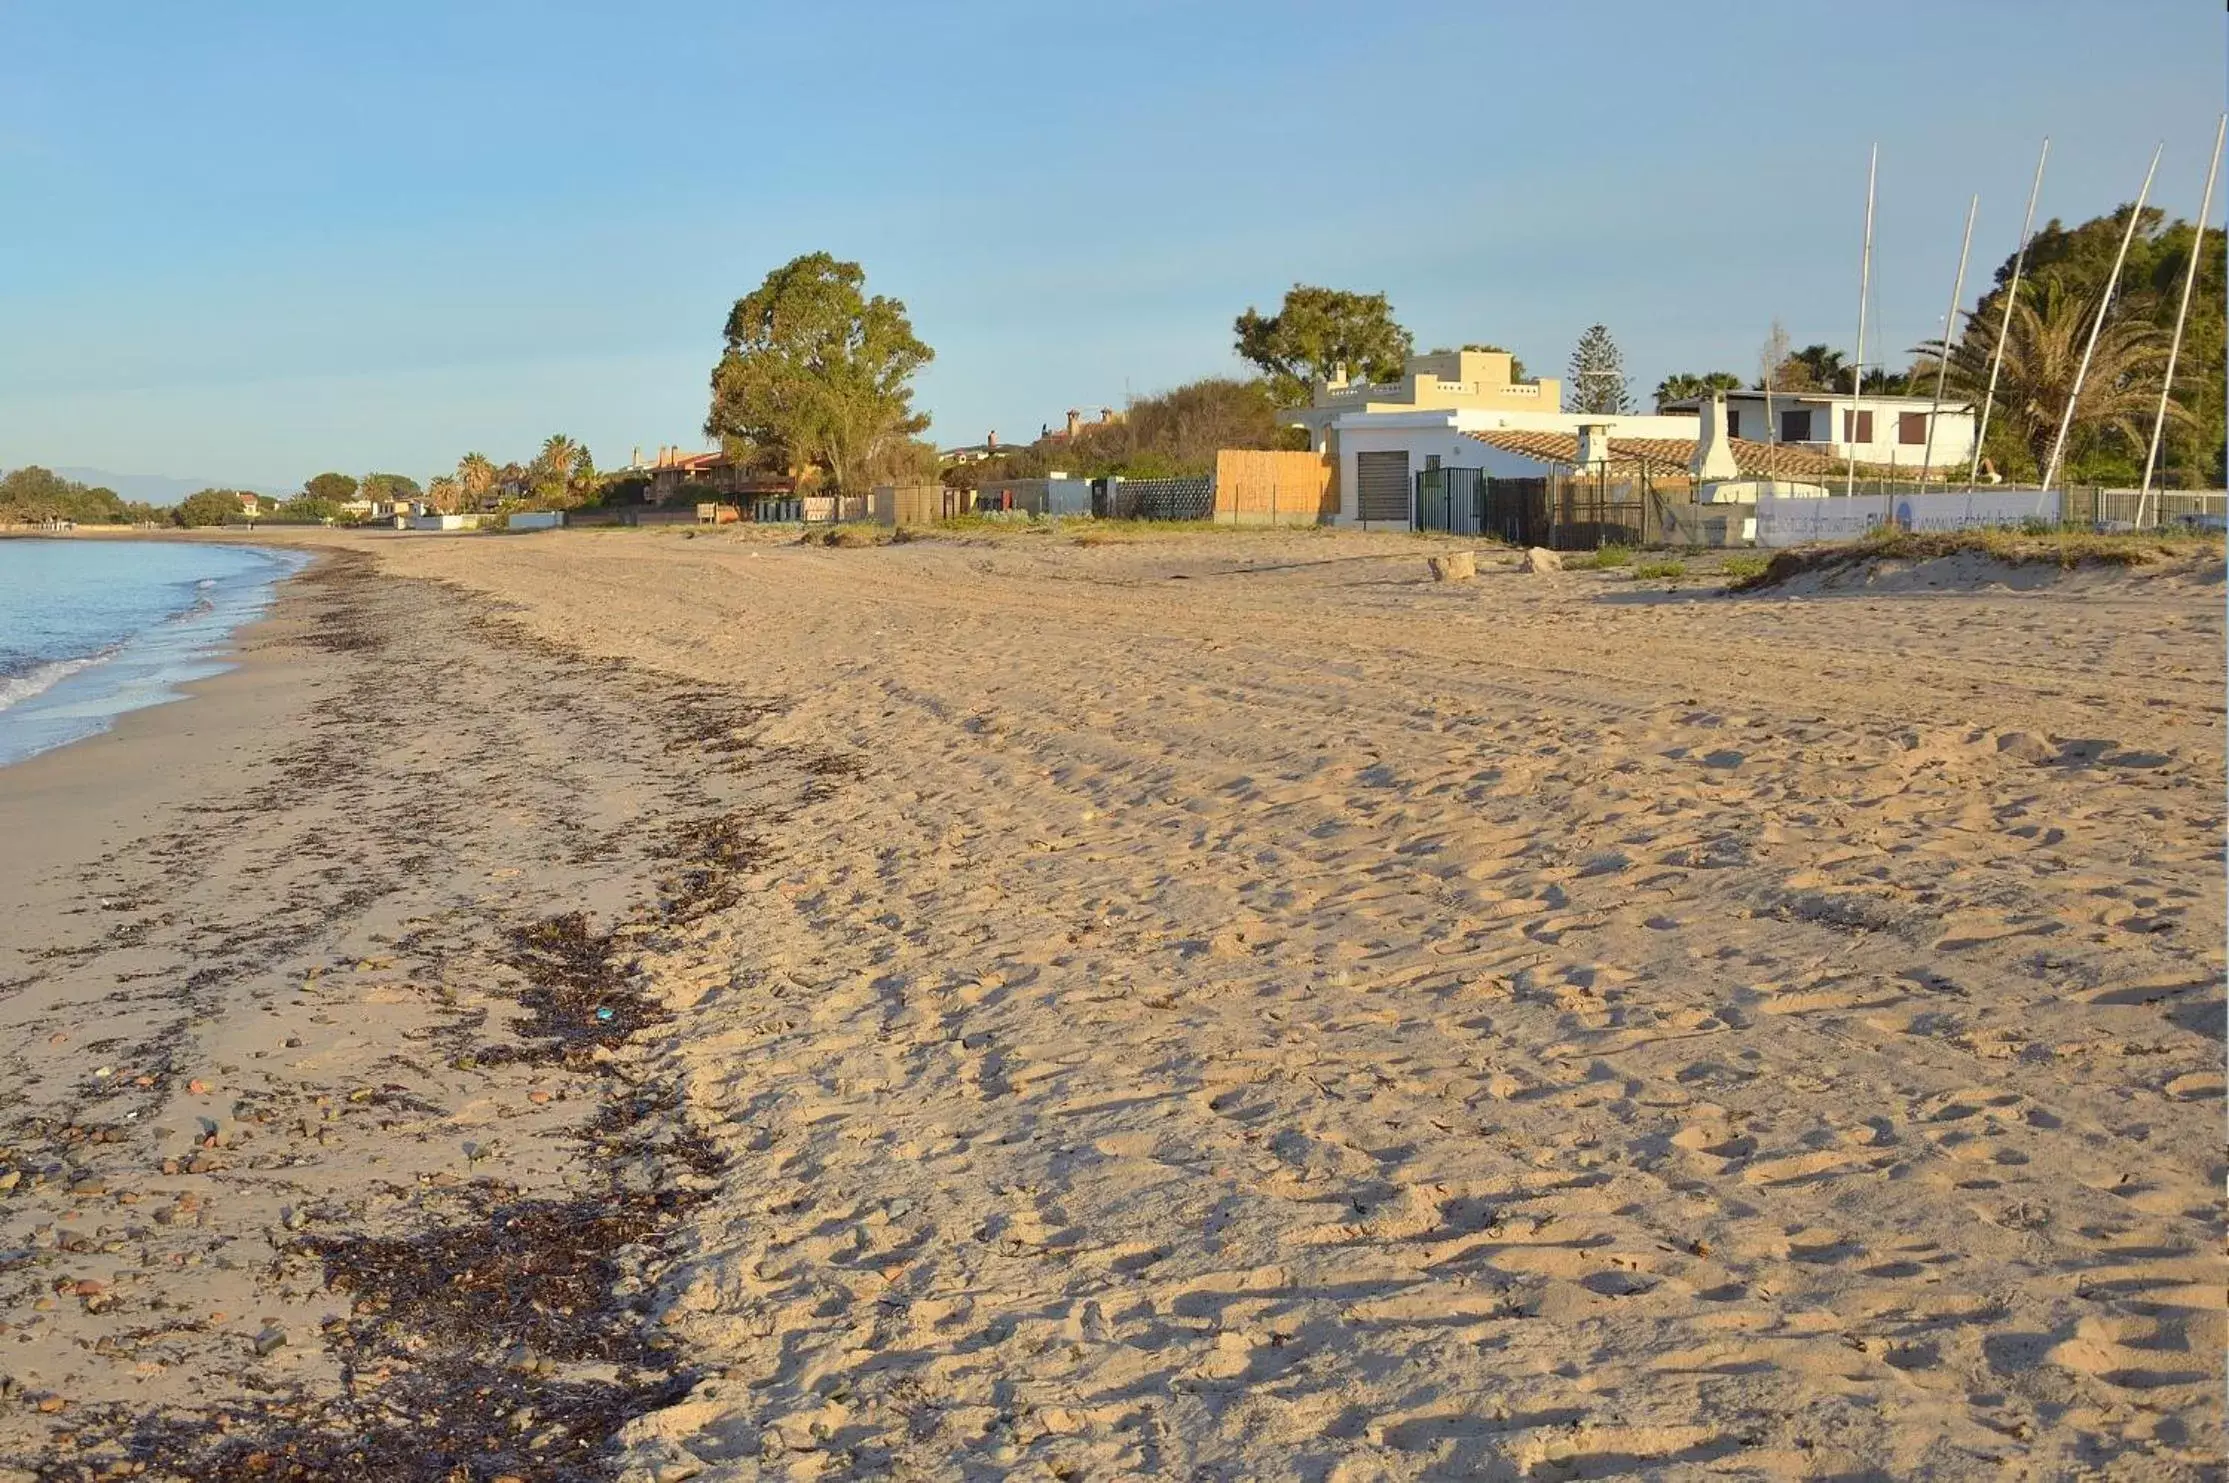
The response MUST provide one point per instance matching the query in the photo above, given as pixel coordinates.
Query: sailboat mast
(2004, 319)
(2089, 347)
(2182, 311)
(1950, 328)
(1864, 294)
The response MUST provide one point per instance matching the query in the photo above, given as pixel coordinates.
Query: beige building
(1445, 380)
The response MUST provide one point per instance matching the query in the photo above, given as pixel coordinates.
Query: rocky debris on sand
(1539, 560)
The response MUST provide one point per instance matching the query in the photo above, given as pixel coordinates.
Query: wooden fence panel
(1264, 486)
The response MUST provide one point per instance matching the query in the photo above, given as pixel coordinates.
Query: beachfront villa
(1378, 435)
(1464, 409)
(1890, 432)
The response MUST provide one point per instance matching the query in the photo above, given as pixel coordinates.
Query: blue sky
(249, 241)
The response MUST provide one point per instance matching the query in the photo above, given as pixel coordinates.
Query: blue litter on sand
(603, 1014)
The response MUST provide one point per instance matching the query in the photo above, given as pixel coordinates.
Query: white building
(1379, 454)
(1887, 432)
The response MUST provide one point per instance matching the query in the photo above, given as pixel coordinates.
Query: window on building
(1795, 427)
(1733, 422)
(1911, 428)
(1431, 460)
(1857, 427)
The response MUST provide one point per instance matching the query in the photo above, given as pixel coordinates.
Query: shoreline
(741, 1006)
(175, 677)
(265, 1015)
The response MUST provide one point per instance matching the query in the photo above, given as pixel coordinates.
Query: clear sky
(249, 241)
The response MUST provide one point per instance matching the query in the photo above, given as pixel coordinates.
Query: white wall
(1427, 434)
(1422, 435)
(1954, 430)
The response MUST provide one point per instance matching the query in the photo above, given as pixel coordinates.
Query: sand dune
(1230, 1007)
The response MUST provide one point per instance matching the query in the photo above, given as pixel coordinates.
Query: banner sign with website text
(1785, 520)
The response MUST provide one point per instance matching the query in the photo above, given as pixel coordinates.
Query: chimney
(1075, 421)
(990, 441)
(1594, 444)
(1714, 450)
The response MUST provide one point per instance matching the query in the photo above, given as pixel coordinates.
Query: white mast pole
(2004, 320)
(1950, 328)
(1865, 291)
(2175, 347)
(2104, 306)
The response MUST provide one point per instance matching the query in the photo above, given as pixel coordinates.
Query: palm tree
(1681, 385)
(556, 459)
(2043, 349)
(476, 473)
(445, 494)
(1816, 368)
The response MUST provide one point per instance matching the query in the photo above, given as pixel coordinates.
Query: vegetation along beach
(762, 787)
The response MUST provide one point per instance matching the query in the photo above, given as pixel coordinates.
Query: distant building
(989, 448)
(1884, 431)
(1075, 427)
(673, 477)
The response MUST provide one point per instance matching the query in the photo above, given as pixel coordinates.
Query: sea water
(90, 629)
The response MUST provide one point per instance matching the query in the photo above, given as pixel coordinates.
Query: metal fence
(1156, 499)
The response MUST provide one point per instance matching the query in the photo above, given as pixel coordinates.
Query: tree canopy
(2075, 262)
(1681, 385)
(1597, 381)
(208, 507)
(32, 494)
(816, 376)
(388, 488)
(330, 489)
(2042, 350)
(1322, 332)
(1174, 433)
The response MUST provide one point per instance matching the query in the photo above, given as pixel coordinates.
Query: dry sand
(1221, 1007)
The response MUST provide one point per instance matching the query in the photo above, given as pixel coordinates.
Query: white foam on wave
(15, 689)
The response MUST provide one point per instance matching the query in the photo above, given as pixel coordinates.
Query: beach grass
(2065, 547)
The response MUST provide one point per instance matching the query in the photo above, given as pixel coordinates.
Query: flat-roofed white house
(1883, 431)
(1379, 436)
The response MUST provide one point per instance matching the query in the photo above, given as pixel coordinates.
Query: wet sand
(1219, 1006)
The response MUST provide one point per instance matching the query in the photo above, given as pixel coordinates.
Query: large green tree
(2078, 260)
(331, 489)
(387, 488)
(208, 507)
(816, 375)
(32, 494)
(1322, 333)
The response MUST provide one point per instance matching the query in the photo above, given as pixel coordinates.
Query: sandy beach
(1216, 1006)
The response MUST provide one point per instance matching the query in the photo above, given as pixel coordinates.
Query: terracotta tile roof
(1665, 455)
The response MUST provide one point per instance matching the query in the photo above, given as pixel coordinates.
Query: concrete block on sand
(1455, 566)
(1539, 560)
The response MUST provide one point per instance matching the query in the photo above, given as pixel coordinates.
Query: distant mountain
(156, 489)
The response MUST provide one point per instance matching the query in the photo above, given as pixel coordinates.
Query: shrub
(1742, 568)
(1660, 571)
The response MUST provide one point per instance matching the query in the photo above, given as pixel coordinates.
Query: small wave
(15, 689)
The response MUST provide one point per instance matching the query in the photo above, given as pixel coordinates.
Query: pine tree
(1597, 382)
